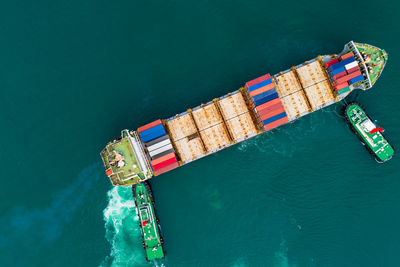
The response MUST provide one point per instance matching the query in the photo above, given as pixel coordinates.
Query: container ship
(368, 132)
(152, 240)
(261, 105)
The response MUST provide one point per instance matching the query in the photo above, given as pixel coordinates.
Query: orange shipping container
(268, 104)
(272, 113)
(261, 90)
(149, 125)
(269, 109)
(166, 168)
(163, 158)
(275, 124)
(350, 54)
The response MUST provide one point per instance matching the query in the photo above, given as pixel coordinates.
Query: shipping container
(341, 86)
(164, 163)
(152, 133)
(259, 85)
(264, 94)
(347, 77)
(330, 63)
(343, 90)
(157, 140)
(339, 75)
(267, 104)
(269, 108)
(274, 118)
(272, 113)
(261, 90)
(356, 79)
(341, 63)
(266, 99)
(158, 145)
(351, 65)
(163, 154)
(149, 125)
(348, 55)
(163, 158)
(357, 68)
(160, 150)
(336, 71)
(166, 168)
(275, 124)
(258, 80)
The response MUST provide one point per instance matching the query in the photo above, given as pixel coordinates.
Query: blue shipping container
(264, 94)
(356, 79)
(341, 63)
(259, 85)
(152, 133)
(266, 99)
(274, 118)
(337, 71)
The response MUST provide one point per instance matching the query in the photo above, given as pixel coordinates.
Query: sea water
(73, 74)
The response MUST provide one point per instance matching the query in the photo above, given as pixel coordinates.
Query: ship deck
(131, 167)
(151, 236)
(377, 60)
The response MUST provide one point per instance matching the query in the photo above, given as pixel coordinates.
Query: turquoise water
(73, 74)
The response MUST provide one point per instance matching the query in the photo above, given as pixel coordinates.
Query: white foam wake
(122, 229)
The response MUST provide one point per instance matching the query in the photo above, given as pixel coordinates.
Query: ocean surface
(73, 74)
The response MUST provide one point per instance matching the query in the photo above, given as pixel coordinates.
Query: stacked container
(344, 71)
(159, 147)
(267, 104)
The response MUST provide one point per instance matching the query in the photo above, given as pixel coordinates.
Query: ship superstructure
(261, 105)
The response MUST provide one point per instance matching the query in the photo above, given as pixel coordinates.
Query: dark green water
(74, 73)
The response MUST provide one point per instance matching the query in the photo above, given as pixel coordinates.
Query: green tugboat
(369, 134)
(152, 240)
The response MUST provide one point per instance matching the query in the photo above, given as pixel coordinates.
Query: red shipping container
(269, 109)
(347, 77)
(258, 80)
(166, 168)
(272, 113)
(165, 163)
(356, 68)
(261, 90)
(339, 75)
(330, 63)
(268, 104)
(341, 86)
(149, 125)
(276, 123)
(350, 54)
(163, 158)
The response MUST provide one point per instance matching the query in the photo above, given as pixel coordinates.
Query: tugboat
(368, 132)
(152, 240)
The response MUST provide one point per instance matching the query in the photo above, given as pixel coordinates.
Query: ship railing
(145, 157)
(353, 47)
